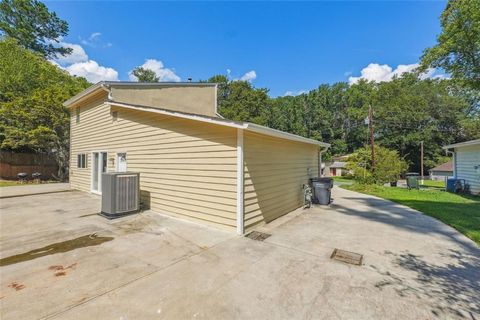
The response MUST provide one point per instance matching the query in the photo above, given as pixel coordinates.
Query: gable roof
(447, 166)
(222, 122)
(463, 144)
(338, 164)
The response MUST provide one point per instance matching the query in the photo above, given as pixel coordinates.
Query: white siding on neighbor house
(466, 158)
(275, 170)
(187, 168)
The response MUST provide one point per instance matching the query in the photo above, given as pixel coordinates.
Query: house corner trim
(240, 183)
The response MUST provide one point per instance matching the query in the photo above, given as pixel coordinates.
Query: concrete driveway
(61, 261)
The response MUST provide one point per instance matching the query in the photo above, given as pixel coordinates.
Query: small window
(77, 115)
(82, 160)
(114, 115)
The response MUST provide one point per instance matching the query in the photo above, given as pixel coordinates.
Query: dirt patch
(60, 267)
(59, 247)
(17, 286)
(61, 270)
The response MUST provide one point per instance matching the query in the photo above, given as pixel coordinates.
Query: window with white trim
(81, 160)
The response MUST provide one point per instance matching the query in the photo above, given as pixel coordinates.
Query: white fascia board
(222, 122)
(283, 135)
(78, 97)
(463, 144)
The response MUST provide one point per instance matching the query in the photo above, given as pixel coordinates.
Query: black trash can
(322, 190)
(323, 179)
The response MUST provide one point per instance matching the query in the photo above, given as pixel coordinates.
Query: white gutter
(283, 135)
(222, 122)
(463, 144)
(240, 184)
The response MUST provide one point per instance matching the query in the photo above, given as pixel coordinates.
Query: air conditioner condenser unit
(120, 194)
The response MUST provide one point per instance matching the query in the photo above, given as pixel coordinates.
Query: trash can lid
(320, 184)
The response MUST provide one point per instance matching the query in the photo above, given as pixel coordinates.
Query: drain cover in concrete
(347, 257)
(259, 236)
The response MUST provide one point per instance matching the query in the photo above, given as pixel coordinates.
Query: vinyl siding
(187, 168)
(466, 158)
(275, 170)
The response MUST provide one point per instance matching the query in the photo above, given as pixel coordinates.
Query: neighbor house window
(77, 115)
(115, 115)
(82, 160)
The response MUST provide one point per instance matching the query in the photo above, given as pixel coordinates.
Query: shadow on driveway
(455, 282)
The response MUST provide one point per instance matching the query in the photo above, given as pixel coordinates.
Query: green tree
(34, 27)
(32, 116)
(388, 165)
(239, 100)
(408, 110)
(458, 46)
(145, 75)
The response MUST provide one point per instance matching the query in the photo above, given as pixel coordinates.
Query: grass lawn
(433, 184)
(342, 179)
(460, 212)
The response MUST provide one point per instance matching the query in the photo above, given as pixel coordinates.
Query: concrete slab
(159, 267)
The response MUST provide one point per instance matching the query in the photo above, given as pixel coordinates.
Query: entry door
(99, 166)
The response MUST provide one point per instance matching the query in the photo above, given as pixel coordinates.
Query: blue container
(451, 184)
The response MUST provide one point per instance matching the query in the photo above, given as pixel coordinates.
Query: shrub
(388, 165)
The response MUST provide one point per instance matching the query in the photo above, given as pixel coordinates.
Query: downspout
(108, 90)
(320, 152)
(454, 160)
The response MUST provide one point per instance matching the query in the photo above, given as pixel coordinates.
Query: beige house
(193, 163)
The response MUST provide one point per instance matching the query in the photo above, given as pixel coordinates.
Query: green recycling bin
(412, 180)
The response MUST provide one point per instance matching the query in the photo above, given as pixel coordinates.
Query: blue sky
(283, 46)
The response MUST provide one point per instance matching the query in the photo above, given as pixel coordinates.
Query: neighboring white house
(338, 167)
(466, 163)
(442, 171)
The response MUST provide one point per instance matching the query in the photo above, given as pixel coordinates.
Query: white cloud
(381, 73)
(249, 76)
(164, 74)
(94, 40)
(433, 74)
(78, 64)
(77, 55)
(92, 71)
(294, 93)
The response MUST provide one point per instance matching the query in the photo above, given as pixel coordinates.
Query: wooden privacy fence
(12, 163)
